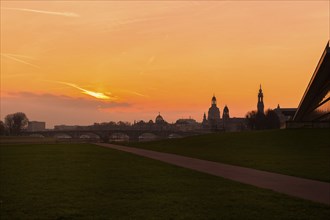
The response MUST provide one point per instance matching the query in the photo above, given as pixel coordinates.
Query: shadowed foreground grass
(81, 181)
(4, 140)
(303, 153)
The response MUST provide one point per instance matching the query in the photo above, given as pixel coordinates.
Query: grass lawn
(82, 181)
(303, 153)
(4, 140)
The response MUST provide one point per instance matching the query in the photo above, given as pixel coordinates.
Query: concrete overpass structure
(314, 107)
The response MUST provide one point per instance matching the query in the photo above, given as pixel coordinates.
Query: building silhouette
(187, 124)
(213, 116)
(225, 113)
(284, 115)
(260, 105)
(36, 126)
(213, 121)
(159, 120)
(225, 116)
(204, 122)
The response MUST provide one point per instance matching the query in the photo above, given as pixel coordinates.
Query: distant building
(225, 116)
(284, 115)
(213, 116)
(214, 121)
(235, 124)
(66, 127)
(36, 126)
(205, 123)
(160, 120)
(260, 104)
(187, 124)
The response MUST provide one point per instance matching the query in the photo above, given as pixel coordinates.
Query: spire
(260, 104)
(260, 95)
(204, 120)
(214, 100)
(225, 113)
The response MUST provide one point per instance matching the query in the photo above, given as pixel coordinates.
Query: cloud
(67, 101)
(66, 14)
(15, 58)
(98, 95)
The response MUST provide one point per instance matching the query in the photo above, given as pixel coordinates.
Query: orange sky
(79, 62)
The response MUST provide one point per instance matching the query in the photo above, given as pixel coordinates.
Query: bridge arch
(36, 135)
(148, 137)
(118, 137)
(62, 136)
(89, 136)
(174, 135)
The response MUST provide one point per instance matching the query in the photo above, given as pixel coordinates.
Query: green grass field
(4, 140)
(83, 181)
(302, 153)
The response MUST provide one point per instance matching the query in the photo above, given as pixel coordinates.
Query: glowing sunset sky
(80, 62)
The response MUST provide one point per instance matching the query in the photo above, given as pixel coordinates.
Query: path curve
(313, 190)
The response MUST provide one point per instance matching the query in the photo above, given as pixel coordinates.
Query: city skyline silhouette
(77, 63)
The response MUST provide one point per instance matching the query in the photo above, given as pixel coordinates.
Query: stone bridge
(115, 134)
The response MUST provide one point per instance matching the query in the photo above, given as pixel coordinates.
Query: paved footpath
(303, 188)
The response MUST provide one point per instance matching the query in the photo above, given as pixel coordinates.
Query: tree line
(260, 121)
(15, 123)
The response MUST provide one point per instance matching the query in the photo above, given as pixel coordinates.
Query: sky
(80, 62)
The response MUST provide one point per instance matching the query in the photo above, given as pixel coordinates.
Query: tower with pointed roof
(213, 116)
(260, 105)
(205, 123)
(204, 118)
(225, 113)
(225, 117)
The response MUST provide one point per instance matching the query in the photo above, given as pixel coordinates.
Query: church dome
(159, 119)
(213, 98)
(226, 109)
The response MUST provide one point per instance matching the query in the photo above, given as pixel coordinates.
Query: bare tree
(272, 120)
(2, 128)
(16, 122)
(258, 121)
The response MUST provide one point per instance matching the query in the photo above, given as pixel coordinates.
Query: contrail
(66, 14)
(19, 55)
(151, 60)
(135, 93)
(19, 60)
(98, 95)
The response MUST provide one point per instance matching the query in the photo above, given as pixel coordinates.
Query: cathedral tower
(205, 123)
(204, 118)
(213, 116)
(225, 113)
(260, 104)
